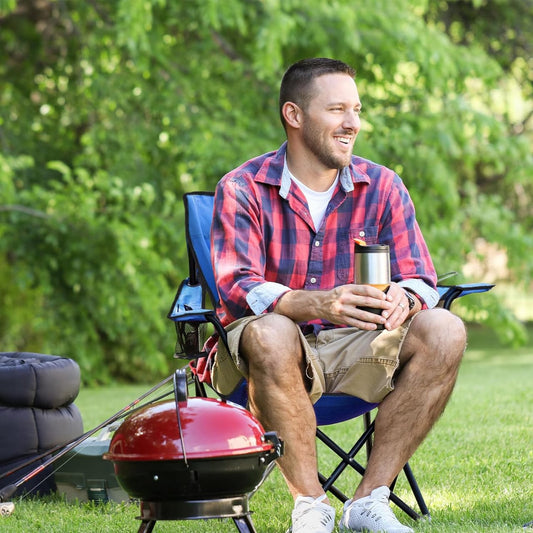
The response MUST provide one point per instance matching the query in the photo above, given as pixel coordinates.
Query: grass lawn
(475, 468)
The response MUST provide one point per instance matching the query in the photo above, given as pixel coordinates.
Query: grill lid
(209, 428)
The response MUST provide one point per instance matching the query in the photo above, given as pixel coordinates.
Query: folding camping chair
(191, 315)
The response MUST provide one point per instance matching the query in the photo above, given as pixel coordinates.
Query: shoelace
(370, 505)
(324, 519)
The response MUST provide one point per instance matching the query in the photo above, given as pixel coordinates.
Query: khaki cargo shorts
(339, 361)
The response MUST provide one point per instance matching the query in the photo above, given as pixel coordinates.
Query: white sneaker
(310, 515)
(371, 514)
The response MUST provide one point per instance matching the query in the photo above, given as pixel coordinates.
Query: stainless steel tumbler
(372, 267)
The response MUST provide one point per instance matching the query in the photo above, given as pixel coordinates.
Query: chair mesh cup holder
(189, 339)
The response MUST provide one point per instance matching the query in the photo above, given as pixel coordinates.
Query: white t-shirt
(317, 201)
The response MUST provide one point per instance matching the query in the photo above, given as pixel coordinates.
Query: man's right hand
(341, 306)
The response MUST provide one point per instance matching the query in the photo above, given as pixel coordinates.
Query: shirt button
(361, 234)
(317, 243)
(313, 280)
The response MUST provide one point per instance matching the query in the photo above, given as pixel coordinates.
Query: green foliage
(6, 6)
(109, 111)
(92, 257)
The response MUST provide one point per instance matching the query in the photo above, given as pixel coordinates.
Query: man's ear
(292, 114)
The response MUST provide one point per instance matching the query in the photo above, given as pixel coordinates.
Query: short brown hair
(297, 81)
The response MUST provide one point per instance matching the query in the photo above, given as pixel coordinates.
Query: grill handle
(180, 394)
(180, 385)
(277, 451)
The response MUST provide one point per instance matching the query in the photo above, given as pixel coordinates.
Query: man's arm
(342, 306)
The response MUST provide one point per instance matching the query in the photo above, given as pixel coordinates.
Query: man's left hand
(400, 311)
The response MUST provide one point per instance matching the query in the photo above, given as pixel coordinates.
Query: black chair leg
(368, 425)
(325, 482)
(416, 491)
(347, 459)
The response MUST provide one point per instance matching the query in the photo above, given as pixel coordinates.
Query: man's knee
(439, 324)
(272, 339)
(437, 331)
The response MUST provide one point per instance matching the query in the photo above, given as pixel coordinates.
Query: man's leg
(278, 396)
(429, 362)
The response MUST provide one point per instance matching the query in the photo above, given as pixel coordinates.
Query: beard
(324, 151)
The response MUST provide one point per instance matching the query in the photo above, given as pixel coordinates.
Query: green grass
(475, 468)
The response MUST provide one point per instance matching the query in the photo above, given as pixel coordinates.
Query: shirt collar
(273, 172)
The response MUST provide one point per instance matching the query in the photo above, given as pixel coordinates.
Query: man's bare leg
(278, 397)
(429, 359)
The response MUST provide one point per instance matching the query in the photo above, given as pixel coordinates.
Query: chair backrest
(198, 217)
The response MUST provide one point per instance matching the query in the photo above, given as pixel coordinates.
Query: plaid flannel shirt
(264, 242)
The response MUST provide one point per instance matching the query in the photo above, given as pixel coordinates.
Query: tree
(111, 110)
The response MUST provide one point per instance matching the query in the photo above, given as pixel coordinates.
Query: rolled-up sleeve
(427, 294)
(238, 254)
(262, 297)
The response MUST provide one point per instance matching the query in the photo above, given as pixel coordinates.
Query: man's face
(331, 120)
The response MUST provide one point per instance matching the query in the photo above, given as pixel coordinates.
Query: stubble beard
(323, 151)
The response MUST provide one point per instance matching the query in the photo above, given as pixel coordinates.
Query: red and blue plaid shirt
(264, 242)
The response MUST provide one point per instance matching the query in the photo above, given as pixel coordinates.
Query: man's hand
(342, 305)
(399, 312)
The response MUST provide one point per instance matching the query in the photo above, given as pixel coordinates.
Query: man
(283, 253)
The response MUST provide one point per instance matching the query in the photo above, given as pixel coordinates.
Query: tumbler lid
(371, 248)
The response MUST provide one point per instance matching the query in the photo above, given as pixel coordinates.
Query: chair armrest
(193, 315)
(188, 302)
(449, 293)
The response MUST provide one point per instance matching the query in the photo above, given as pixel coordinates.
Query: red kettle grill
(191, 458)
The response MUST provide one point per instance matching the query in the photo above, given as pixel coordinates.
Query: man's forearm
(301, 306)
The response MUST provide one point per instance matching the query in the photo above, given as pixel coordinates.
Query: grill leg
(146, 526)
(244, 524)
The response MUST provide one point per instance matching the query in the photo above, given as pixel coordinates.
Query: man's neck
(310, 172)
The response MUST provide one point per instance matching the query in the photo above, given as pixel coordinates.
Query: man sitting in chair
(283, 255)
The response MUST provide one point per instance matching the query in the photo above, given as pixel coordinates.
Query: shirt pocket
(344, 263)
(369, 234)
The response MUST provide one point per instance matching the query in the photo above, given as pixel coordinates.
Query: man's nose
(352, 120)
